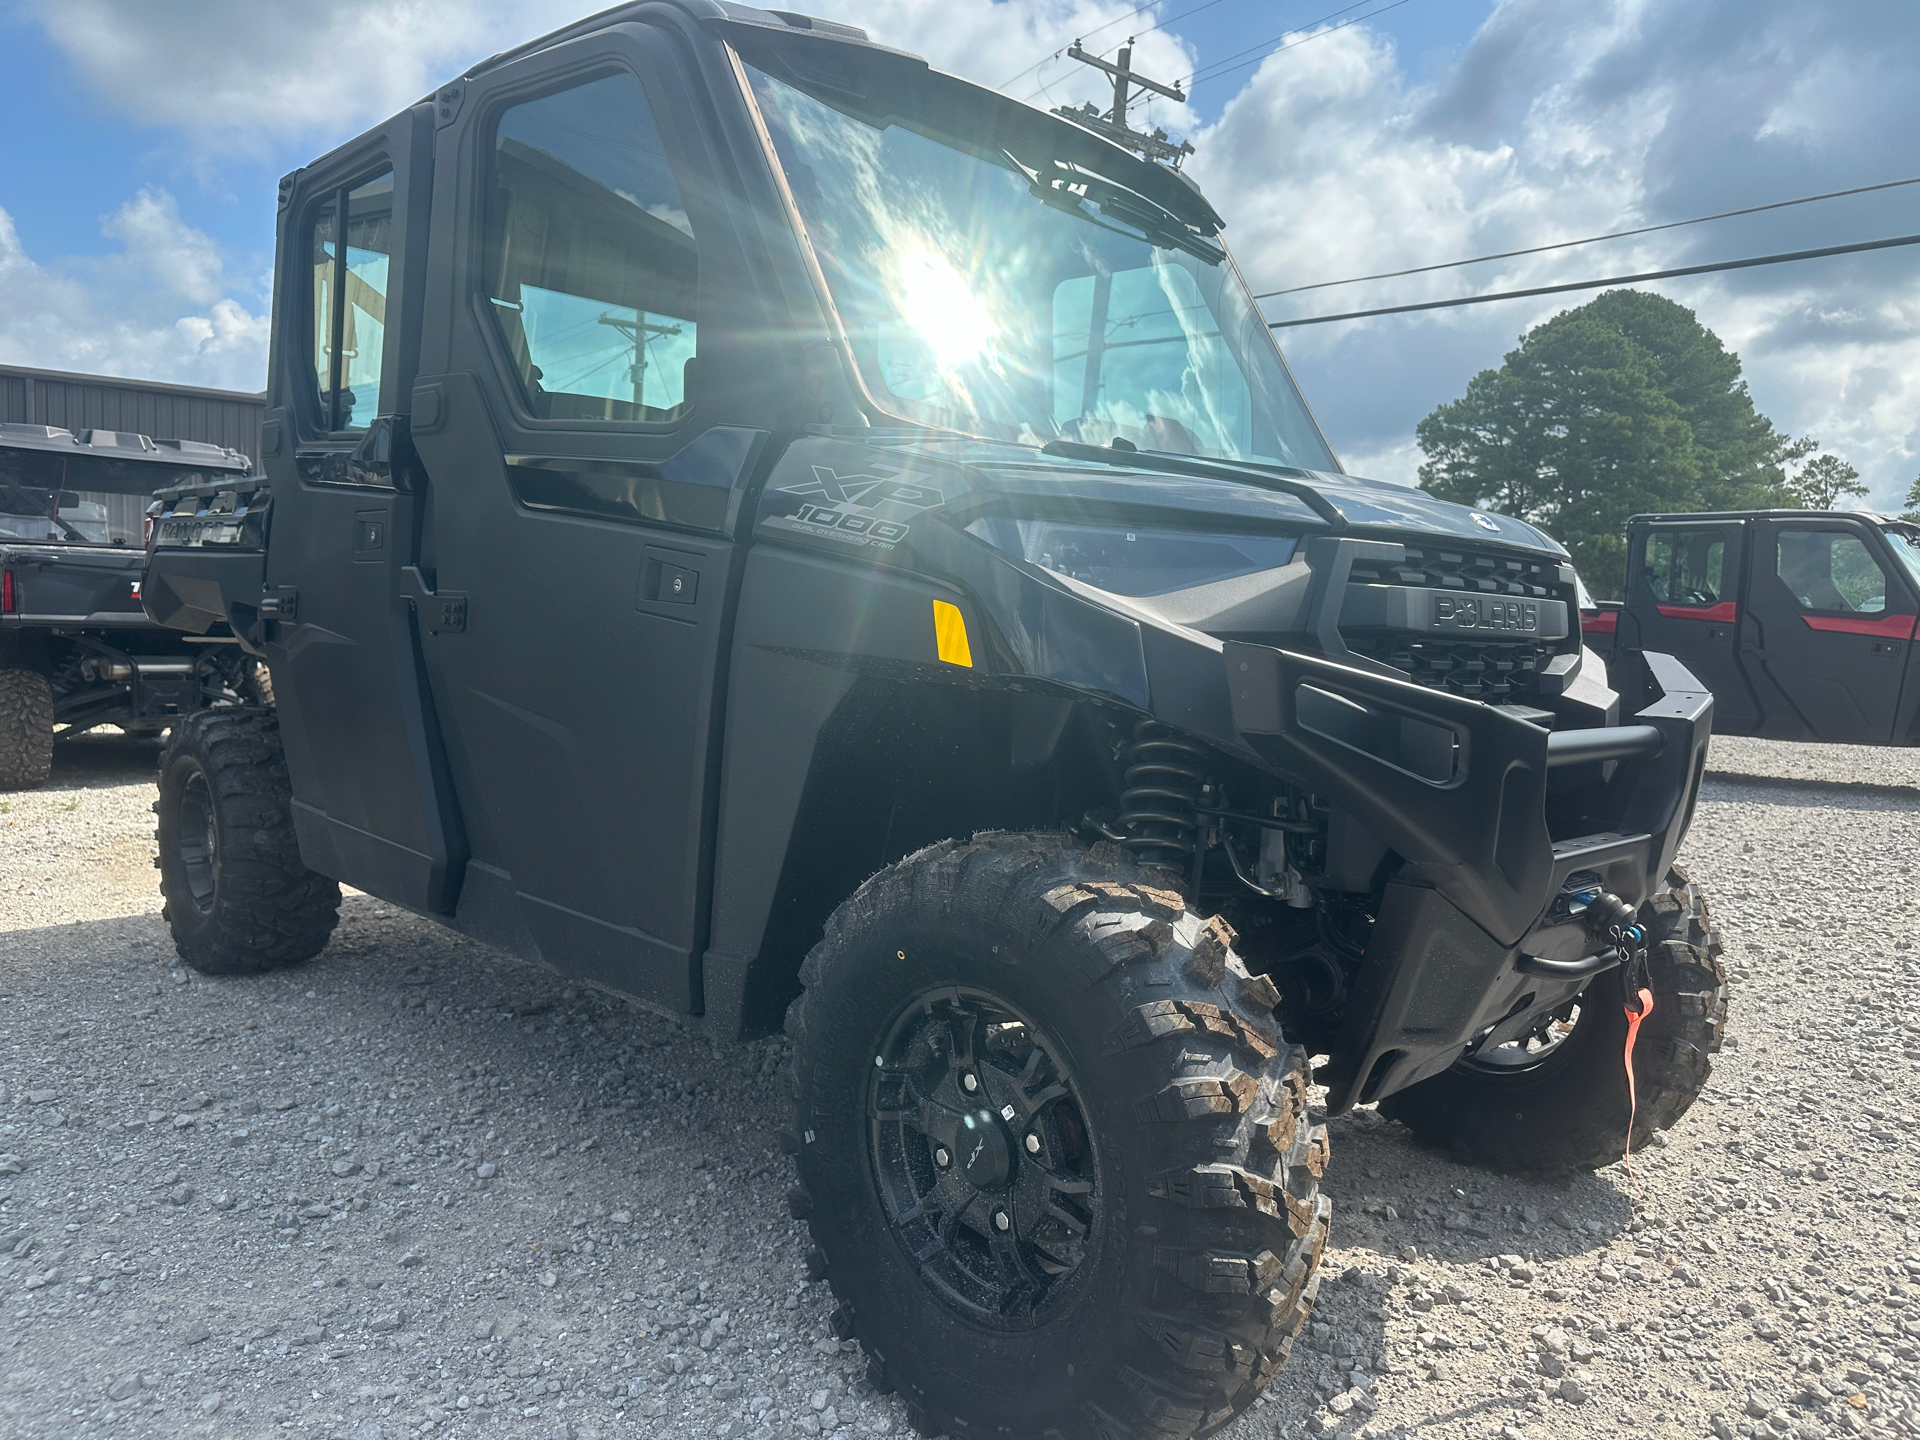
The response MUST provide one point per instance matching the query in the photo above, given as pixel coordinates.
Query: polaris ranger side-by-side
(76, 648)
(792, 537)
(1801, 622)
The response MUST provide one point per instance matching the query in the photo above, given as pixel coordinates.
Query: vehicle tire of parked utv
(26, 729)
(1055, 1157)
(257, 687)
(238, 900)
(1568, 1110)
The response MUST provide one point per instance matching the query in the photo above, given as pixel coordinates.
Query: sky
(146, 140)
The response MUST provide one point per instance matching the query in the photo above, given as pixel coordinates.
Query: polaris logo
(1485, 522)
(1514, 617)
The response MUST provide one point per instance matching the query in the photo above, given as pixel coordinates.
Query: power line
(1148, 30)
(1215, 71)
(1055, 54)
(1599, 284)
(1591, 239)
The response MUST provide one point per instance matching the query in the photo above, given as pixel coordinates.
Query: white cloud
(1559, 123)
(1555, 121)
(314, 73)
(162, 308)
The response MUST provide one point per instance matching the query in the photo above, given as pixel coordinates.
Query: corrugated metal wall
(99, 402)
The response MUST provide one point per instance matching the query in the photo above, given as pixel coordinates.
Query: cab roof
(124, 445)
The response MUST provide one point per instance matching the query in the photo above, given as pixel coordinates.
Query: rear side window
(1685, 567)
(1831, 570)
(347, 300)
(591, 265)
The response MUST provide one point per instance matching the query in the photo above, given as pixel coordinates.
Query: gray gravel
(418, 1187)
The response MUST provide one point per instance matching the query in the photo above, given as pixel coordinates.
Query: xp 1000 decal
(873, 511)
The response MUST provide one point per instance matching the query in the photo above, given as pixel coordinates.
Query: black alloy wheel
(198, 837)
(982, 1156)
(1055, 1155)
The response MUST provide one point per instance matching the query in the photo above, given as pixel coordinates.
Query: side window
(1831, 570)
(1685, 567)
(591, 265)
(347, 295)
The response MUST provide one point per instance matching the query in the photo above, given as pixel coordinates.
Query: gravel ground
(420, 1187)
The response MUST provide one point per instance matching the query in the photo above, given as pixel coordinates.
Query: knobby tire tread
(1576, 1119)
(269, 910)
(1217, 1091)
(26, 729)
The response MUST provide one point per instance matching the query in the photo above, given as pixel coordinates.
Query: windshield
(42, 498)
(975, 305)
(1905, 545)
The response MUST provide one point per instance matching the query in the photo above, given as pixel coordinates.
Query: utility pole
(1113, 124)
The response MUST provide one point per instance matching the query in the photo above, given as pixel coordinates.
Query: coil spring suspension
(1159, 809)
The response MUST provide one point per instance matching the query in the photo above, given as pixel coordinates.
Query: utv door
(1683, 584)
(1835, 619)
(371, 805)
(589, 427)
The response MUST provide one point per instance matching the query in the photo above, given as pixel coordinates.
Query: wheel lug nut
(970, 1082)
(1033, 1143)
(941, 1157)
(1001, 1220)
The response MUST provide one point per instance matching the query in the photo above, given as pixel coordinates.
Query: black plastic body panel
(1480, 868)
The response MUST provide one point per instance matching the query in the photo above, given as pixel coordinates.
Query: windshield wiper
(1200, 469)
(14, 494)
(1068, 187)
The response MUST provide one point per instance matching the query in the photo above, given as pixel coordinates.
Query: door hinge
(441, 612)
(280, 603)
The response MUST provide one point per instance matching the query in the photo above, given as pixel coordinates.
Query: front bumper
(1459, 790)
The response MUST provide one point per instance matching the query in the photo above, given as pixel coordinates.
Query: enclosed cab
(77, 650)
(1801, 622)
(804, 541)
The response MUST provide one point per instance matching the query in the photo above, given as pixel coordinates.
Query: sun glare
(936, 300)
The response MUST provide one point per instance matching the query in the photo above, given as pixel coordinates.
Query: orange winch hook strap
(1634, 1017)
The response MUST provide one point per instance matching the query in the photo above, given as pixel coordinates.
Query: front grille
(1479, 572)
(1496, 671)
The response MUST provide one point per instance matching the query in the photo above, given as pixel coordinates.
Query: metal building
(229, 418)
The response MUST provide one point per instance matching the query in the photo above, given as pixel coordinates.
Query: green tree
(1826, 480)
(1623, 405)
(1912, 512)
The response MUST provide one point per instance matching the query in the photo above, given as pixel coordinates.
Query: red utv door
(1835, 621)
(1683, 587)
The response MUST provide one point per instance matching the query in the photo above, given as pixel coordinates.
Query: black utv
(77, 651)
(795, 538)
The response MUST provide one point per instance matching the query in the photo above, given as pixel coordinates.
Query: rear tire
(1569, 1112)
(238, 899)
(1158, 1179)
(26, 729)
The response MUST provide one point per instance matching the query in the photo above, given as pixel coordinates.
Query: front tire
(1054, 1154)
(1568, 1111)
(26, 729)
(238, 899)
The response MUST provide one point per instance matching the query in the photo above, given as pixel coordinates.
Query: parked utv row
(799, 540)
(1800, 622)
(76, 649)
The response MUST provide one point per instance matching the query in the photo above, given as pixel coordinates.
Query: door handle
(441, 612)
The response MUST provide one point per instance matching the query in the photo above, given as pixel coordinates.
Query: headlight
(1127, 560)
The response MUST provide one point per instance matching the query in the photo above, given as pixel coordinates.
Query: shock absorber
(1159, 808)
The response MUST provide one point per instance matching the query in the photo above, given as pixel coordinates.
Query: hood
(1229, 492)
